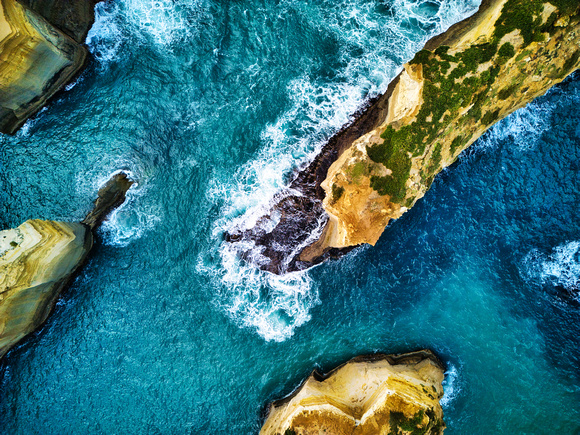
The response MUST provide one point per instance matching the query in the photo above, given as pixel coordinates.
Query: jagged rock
(37, 260)
(462, 82)
(36, 58)
(372, 394)
(110, 196)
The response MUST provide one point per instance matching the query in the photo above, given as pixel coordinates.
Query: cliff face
(375, 394)
(462, 82)
(38, 56)
(37, 260)
(72, 17)
(509, 53)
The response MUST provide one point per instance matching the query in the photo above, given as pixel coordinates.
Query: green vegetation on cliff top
(456, 77)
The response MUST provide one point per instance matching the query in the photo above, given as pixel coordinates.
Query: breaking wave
(375, 41)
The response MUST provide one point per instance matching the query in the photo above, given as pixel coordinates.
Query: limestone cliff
(374, 394)
(462, 82)
(38, 56)
(37, 260)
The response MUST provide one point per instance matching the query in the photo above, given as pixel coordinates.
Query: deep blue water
(210, 105)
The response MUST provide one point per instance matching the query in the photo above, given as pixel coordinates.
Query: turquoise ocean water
(211, 105)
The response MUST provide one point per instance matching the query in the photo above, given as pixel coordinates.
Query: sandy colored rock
(464, 81)
(36, 261)
(377, 167)
(38, 258)
(374, 394)
(36, 60)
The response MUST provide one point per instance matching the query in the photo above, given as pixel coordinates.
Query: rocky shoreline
(376, 168)
(38, 260)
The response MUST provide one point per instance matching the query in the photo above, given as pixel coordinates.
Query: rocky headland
(375, 169)
(41, 50)
(372, 394)
(38, 259)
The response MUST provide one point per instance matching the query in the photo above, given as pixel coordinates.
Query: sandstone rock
(373, 394)
(36, 260)
(374, 170)
(36, 60)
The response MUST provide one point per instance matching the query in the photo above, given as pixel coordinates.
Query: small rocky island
(371, 394)
(41, 50)
(38, 259)
(375, 169)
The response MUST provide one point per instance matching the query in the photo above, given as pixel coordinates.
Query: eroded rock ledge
(372, 394)
(37, 260)
(41, 50)
(462, 82)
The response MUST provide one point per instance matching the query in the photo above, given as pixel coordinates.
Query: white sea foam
(165, 21)
(156, 23)
(560, 267)
(451, 387)
(271, 305)
(275, 305)
(132, 219)
(105, 36)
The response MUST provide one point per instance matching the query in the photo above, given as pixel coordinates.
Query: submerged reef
(463, 81)
(41, 50)
(38, 259)
(371, 394)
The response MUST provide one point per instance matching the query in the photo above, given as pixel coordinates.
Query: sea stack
(374, 170)
(41, 50)
(38, 259)
(371, 394)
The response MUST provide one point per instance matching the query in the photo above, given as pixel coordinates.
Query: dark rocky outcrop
(72, 17)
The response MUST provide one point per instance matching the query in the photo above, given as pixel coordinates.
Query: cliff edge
(372, 394)
(41, 50)
(38, 259)
(462, 82)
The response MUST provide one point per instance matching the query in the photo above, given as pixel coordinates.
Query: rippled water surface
(211, 105)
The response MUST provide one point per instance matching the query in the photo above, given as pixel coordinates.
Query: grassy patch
(507, 92)
(490, 117)
(337, 192)
(524, 16)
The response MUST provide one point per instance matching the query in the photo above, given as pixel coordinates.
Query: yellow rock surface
(36, 261)
(374, 394)
(358, 212)
(36, 60)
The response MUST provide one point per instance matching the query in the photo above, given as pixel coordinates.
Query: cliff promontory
(462, 82)
(40, 52)
(37, 260)
(373, 394)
